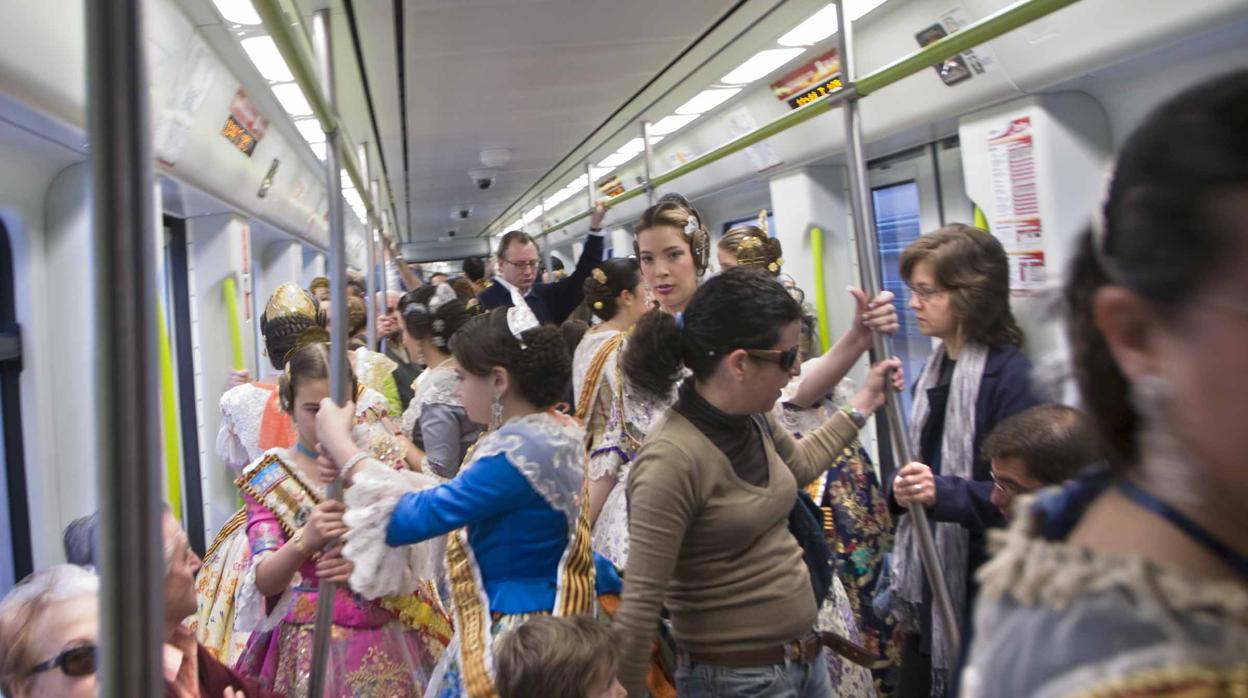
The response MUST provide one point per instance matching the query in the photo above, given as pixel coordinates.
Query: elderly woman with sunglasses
(711, 493)
(48, 632)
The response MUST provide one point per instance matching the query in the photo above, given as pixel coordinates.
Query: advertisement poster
(809, 82)
(245, 126)
(965, 65)
(1016, 204)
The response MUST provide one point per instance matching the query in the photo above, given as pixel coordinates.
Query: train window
(15, 558)
(897, 223)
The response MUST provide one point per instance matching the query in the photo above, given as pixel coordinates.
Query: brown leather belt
(802, 651)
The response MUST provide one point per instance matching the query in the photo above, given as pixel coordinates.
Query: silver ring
(918, 488)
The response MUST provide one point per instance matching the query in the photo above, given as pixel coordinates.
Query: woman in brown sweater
(711, 492)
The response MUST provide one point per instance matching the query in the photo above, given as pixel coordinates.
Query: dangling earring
(496, 412)
(1149, 396)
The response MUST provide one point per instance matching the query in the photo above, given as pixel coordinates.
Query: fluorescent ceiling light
(707, 100)
(532, 215)
(237, 11)
(818, 27)
(310, 129)
(671, 124)
(267, 59)
(822, 24)
(615, 160)
(761, 64)
(292, 99)
(514, 225)
(318, 149)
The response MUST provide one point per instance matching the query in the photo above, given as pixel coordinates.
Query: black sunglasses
(75, 661)
(786, 357)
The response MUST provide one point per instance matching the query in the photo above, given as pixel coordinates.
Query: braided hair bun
(540, 371)
(608, 280)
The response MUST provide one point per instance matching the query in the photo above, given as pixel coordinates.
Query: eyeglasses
(75, 661)
(924, 292)
(785, 357)
(532, 264)
(1006, 487)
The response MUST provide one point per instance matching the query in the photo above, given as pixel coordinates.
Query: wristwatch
(855, 416)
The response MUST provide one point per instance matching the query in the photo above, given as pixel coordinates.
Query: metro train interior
(463, 120)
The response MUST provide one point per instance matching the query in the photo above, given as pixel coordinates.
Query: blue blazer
(552, 303)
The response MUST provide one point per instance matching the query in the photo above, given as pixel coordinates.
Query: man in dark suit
(518, 260)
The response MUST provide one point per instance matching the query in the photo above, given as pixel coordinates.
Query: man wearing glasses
(1042, 446)
(518, 261)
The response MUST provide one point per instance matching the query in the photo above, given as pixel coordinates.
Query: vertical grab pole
(869, 266)
(124, 255)
(589, 185)
(373, 226)
(645, 140)
(370, 275)
(338, 378)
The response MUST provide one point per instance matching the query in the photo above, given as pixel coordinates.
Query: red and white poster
(245, 126)
(809, 82)
(1016, 204)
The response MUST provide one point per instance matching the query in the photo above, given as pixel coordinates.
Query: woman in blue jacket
(976, 376)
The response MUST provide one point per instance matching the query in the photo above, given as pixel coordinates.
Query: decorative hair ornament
(312, 335)
(520, 317)
(692, 226)
(415, 309)
(774, 267)
(749, 242)
(762, 221)
(599, 275)
(445, 294)
(289, 300)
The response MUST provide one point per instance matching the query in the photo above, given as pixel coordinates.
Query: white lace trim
(549, 454)
(381, 570)
(242, 411)
(434, 387)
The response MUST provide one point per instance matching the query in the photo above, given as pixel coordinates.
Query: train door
(914, 192)
(176, 287)
(16, 559)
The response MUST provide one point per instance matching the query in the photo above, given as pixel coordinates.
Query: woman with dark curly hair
(711, 495)
(435, 419)
(519, 543)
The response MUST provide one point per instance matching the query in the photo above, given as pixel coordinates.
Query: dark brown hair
(741, 308)
(764, 252)
(1162, 237)
(518, 237)
(972, 267)
(440, 324)
(675, 211)
(1054, 442)
(281, 333)
(308, 362)
(551, 657)
(620, 274)
(541, 370)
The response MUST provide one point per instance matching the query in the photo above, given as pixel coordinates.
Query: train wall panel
(192, 91)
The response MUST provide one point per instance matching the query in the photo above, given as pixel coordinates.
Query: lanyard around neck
(1184, 523)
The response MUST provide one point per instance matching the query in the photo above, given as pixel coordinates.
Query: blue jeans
(790, 680)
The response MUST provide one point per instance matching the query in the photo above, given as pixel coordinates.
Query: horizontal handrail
(1005, 20)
